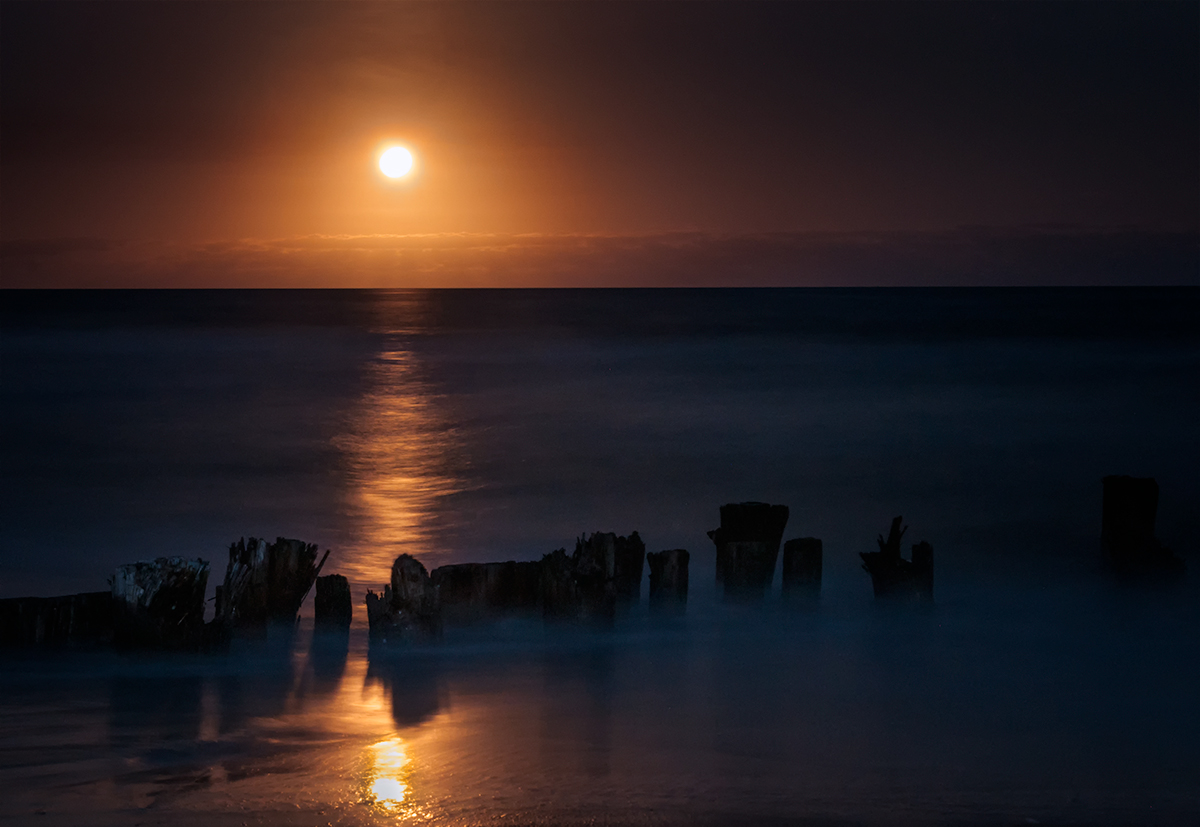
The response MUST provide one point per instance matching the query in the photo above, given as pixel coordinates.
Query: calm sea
(490, 425)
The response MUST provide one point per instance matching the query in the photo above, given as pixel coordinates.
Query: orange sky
(143, 140)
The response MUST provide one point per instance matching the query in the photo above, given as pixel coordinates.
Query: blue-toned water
(490, 425)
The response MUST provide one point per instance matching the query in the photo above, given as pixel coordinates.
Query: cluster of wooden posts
(604, 574)
(160, 604)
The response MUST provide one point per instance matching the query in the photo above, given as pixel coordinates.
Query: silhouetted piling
(408, 609)
(266, 582)
(595, 564)
(560, 594)
(747, 547)
(895, 578)
(159, 604)
(470, 592)
(606, 569)
(332, 604)
(628, 564)
(802, 562)
(70, 620)
(668, 580)
(1127, 538)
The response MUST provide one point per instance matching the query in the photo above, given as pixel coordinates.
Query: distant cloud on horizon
(966, 256)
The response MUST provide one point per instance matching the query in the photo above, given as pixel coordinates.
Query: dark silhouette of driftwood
(747, 547)
(159, 604)
(668, 580)
(802, 563)
(892, 576)
(1127, 530)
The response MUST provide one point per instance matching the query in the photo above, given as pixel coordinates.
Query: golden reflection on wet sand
(388, 776)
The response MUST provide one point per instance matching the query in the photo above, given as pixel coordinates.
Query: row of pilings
(160, 604)
(604, 574)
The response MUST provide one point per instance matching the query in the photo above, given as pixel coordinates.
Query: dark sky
(599, 143)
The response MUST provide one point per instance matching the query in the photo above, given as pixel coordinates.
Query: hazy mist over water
(489, 425)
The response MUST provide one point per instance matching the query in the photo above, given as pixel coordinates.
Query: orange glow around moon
(395, 162)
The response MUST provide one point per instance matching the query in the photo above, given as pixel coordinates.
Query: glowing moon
(396, 162)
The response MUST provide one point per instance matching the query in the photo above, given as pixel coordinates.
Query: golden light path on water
(399, 451)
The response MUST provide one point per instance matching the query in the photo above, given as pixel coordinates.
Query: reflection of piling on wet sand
(895, 578)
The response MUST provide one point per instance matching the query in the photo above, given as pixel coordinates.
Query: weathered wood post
(802, 561)
(332, 605)
(462, 592)
(893, 577)
(606, 569)
(514, 585)
(629, 562)
(1127, 529)
(668, 580)
(560, 593)
(408, 609)
(159, 604)
(266, 582)
(922, 563)
(69, 620)
(471, 592)
(747, 547)
(1129, 512)
(595, 564)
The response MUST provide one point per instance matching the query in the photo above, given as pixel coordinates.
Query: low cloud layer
(965, 257)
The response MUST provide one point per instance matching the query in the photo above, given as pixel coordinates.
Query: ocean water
(489, 425)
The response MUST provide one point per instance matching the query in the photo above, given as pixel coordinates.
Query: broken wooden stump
(802, 562)
(409, 609)
(70, 620)
(893, 577)
(332, 605)
(266, 582)
(1127, 530)
(606, 569)
(747, 547)
(560, 593)
(469, 592)
(668, 580)
(159, 604)
(629, 556)
(594, 564)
